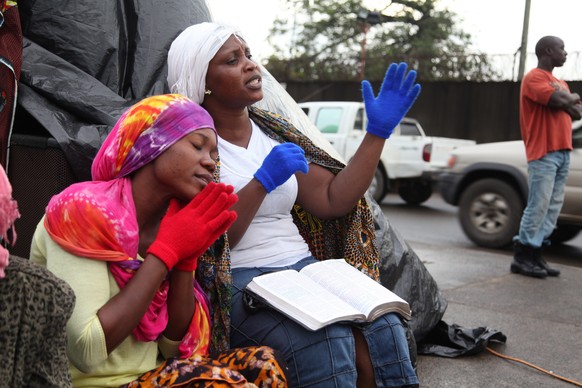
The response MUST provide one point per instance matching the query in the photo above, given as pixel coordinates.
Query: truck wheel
(415, 192)
(564, 233)
(379, 187)
(490, 212)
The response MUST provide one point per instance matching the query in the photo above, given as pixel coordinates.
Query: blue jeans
(546, 180)
(324, 358)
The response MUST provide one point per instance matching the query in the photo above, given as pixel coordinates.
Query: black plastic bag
(453, 340)
(402, 271)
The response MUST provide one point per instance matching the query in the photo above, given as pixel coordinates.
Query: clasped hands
(186, 232)
(396, 96)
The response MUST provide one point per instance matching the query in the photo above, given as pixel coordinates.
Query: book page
(351, 285)
(302, 299)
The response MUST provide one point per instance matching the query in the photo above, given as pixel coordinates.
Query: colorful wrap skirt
(256, 366)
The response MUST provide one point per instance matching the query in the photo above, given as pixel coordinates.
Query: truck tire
(489, 212)
(415, 192)
(379, 186)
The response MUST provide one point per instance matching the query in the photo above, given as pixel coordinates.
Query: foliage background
(327, 40)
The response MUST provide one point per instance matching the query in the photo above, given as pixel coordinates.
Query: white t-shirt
(272, 238)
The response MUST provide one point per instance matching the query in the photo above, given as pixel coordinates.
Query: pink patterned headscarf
(8, 214)
(146, 130)
(97, 219)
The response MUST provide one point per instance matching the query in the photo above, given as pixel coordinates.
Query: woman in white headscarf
(297, 204)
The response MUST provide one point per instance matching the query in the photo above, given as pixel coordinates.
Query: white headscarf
(188, 59)
(190, 54)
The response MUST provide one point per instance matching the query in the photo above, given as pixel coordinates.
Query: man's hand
(575, 112)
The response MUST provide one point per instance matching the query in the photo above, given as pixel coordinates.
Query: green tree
(325, 40)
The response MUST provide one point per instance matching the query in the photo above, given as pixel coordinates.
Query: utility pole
(365, 28)
(523, 47)
(367, 18)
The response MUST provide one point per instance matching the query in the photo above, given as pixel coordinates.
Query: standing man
(547, 108)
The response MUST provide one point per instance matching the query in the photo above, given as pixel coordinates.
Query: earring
(207, 92)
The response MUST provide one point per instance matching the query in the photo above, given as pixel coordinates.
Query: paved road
(542, 318)
(435, 223)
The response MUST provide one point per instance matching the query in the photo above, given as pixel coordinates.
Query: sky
(495, 25)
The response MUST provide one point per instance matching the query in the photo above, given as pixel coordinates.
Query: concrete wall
(481, 111)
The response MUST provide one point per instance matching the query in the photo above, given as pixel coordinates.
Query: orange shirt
(543, 129)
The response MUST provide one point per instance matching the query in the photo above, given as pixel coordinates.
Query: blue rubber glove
(393, 102)
(283, 161)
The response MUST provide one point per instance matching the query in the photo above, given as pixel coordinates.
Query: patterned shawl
(351, 237)
(97, 219)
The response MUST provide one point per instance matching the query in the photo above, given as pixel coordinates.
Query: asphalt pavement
(542, 319)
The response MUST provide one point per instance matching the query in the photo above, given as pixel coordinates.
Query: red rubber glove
(189, 231)
(188, 265)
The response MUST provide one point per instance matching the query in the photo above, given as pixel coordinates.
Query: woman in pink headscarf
(35, 306)
(128, 243)
(8, 214)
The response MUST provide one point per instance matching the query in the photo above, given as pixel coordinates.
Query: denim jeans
(546, 180)
(324, 358)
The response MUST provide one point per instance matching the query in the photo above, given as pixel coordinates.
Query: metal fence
(481, 111)
(507, 66)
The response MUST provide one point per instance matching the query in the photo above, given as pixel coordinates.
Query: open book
(326, 292)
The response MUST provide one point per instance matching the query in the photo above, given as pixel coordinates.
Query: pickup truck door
(572, 208)
(402, 153)
(355, 132)
(331, 121)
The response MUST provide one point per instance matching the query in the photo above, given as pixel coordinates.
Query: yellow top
(94, 285)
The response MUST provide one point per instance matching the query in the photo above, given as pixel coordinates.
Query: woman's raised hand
(187, 232)
(396, 96)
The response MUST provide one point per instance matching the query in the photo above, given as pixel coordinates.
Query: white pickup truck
(410, 161)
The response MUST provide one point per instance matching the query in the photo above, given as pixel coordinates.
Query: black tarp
(10, 63)
(85, 61)
(402, 271)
